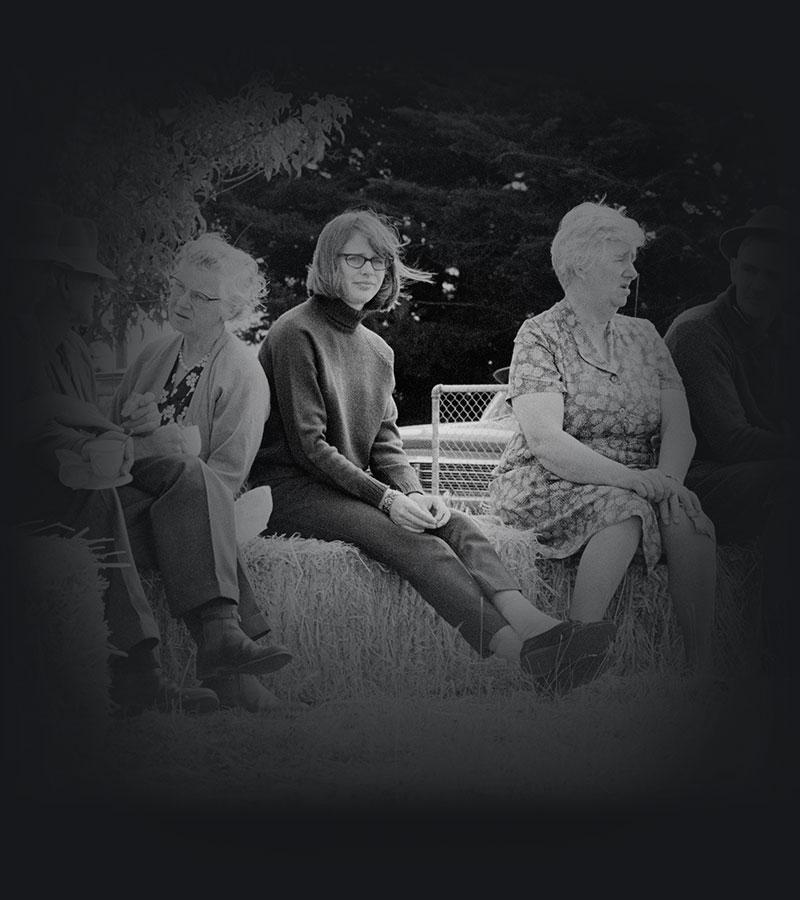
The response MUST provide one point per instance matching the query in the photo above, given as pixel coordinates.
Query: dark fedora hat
(36, 227)
(769, 221)
(77, 241)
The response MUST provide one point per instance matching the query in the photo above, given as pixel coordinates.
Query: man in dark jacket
(730, 355)
(734, 356)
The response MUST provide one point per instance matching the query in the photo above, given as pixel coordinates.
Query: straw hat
(77, 241)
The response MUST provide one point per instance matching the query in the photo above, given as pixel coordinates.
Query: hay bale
(358, 629)
(648, 635)
(63, 609)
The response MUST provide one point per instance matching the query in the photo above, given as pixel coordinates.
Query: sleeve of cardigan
(125, 387)
(388, 459)
(295, 376)
(241, 407)
(706, 365)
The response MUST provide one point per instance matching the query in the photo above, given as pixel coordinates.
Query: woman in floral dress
(603, 440)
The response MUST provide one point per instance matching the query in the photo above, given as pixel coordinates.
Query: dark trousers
(180, 520)
(98, 517)
(454, 568)
(175, 516)
(747, 501)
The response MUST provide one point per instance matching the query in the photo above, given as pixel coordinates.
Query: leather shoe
(540, 653)
(133, 691)
(232, 652)
(584, 656)
(247, 692)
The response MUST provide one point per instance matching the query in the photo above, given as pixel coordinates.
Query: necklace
(199, 364)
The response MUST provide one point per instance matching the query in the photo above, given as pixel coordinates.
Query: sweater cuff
(373, 491)
(409, 484)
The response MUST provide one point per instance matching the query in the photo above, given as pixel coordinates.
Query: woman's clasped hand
(419, 512)
(672, 498)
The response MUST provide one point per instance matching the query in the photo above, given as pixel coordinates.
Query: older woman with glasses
(334, 460)
(203, 375)
(604, 440)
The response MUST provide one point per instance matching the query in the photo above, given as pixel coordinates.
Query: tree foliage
(144, 171)
(477, 166)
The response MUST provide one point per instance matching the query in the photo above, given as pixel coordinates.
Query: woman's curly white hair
(242, 286)
(582, 234)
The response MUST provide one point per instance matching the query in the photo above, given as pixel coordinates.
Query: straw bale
(63, 610)
(358, 629)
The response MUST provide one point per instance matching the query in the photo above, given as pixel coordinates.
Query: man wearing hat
(732, 355)
(163, 508)
(729, 354)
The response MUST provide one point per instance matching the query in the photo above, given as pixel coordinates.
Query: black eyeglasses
(357, 260)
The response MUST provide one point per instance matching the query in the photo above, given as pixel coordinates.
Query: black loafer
(540, 654)
(585, 656)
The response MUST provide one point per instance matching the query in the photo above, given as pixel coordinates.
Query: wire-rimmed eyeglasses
(178, 288)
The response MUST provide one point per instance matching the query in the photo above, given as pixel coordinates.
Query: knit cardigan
(230, 402)
(333, 417)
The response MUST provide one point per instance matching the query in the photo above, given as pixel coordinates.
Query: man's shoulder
(703, 319)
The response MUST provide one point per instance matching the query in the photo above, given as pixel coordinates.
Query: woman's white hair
(582, 234)
(242, 286)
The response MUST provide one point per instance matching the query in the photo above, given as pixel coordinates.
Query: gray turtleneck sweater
(333, 416)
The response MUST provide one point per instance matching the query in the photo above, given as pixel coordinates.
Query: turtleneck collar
(339, 313)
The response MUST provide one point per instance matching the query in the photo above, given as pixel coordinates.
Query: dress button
(614, 379)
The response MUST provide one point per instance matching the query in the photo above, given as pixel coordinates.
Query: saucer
(99, 485)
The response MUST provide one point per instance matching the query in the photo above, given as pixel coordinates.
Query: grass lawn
(642, 738)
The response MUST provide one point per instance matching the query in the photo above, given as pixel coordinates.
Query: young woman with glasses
(334, 460)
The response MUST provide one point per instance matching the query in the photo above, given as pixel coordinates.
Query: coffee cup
(106, 457)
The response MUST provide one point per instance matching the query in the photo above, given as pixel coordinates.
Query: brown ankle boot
(226, 650)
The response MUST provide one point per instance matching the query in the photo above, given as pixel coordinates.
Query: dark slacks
(758, 500)
(741, 498)
(180, 520)
(98, 516)
(175, 516)
(454, 568)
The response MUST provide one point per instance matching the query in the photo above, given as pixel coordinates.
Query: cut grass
(404, 711)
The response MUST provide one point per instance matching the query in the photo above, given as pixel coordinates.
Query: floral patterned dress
(612, 404)
(176, 395)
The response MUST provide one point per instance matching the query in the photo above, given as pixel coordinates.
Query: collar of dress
(586, 348)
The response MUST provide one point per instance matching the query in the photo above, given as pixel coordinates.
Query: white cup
(191, 439)
(106, 457)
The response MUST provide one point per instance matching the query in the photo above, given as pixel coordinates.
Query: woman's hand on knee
(411, 515)
(433, 504)
(644, 484)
